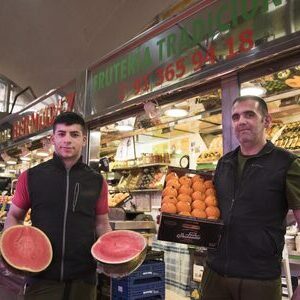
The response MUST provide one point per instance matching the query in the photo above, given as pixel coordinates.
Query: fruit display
(275, 85)
(190, 195)
(26, 249)
(208, 157)
(293, 82)
(273, 131)
(282, 80)
(213, 153)
(130, 180)
(143, 160)
(117, 198)
(143, 178)
(151, 178)
(5, 202)
(289, 137)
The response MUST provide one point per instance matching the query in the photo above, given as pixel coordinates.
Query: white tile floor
(170, 295)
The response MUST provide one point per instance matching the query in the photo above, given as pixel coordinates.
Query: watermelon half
(120, 252)
(26, 248)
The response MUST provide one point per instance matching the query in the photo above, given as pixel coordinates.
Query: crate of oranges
(189, 209)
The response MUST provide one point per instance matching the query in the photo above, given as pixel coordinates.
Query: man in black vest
(256, 184)
(68, 201)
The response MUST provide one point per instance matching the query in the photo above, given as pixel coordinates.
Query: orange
(185, 213)
(171, 175)
(198, 204)
(169, 191)
(185, 180)
(171, 199)
(184, 197)
(208, 184)
(210, 192)
(199, 186)
(212, 218)
(183, 206)
(198, 213)
(211, 201)
(184, 189)
(198, 196)
(212, 211)
(197, 178)
(174, 183)
(168, 207)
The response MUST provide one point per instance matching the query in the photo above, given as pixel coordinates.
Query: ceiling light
(253, 91)
(174, 112)
(124, 127)
(25, 158)
(42, 153)
(11, 162)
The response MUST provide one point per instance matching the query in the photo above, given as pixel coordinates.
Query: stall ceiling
(46, 43)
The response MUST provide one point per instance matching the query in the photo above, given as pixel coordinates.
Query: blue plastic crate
(148, 269)
(156, 297)
(142, 291)
(126, 286)
(146, 282)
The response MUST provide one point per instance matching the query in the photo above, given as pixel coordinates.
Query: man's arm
(102, 224)
(15, 216)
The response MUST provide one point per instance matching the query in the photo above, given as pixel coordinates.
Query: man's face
(248, 122)
(68, 141)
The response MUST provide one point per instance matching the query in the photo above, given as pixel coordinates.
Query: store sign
(219, 32)
(42, 119)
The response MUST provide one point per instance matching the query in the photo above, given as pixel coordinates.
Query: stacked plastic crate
(147, 282)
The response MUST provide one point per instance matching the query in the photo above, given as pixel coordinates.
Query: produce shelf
(140, 166)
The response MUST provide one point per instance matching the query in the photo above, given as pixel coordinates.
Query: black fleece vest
(63, 206)
(254, 210)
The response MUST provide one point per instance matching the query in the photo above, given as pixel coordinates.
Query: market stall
(164, 98)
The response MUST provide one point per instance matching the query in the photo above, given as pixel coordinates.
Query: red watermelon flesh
(118, 246)
(26, 248)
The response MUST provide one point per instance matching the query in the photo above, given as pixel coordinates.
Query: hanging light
(175, 112)
(25, 158)
(42, 153)
(11, 161)
(253, 90)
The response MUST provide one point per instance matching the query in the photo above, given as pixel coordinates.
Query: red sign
(41, 119)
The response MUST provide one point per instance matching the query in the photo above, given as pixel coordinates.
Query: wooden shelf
(140, 166)
(134, 190)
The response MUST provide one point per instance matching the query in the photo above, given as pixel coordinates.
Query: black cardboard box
(189, 230)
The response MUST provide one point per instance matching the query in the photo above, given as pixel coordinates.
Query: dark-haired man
(68, 201)
(256, 184)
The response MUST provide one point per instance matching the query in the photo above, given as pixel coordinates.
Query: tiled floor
(170, 295)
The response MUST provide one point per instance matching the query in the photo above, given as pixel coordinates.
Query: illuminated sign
(224, 29)
(37, 121)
